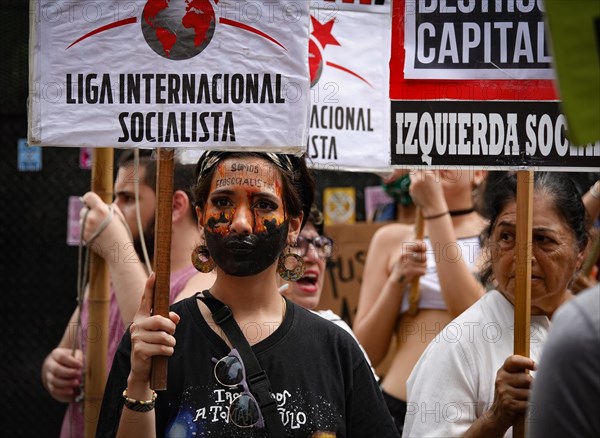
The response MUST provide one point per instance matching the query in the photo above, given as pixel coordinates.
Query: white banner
(213, 74)
(495, 39)
(349, 56)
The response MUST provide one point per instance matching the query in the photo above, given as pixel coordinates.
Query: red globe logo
(320, 37)
(178, 29)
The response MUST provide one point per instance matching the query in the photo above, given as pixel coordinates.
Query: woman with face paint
(468, 382)
(250, 208)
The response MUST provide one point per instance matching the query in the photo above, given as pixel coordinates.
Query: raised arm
(382, 288)
(591, 200)
(114, 245)
(459, 286)
(460, 289)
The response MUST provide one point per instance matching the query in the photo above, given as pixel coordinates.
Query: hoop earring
(290, 274)
(201, 259)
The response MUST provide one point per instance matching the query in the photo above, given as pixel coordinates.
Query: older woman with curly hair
(468, 382)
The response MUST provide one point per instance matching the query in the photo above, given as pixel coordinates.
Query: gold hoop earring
(201, 259)
(293, 273)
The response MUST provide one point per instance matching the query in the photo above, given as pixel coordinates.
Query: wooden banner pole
(523, 274)
(98, 299)
(414, 296)
(162, 253)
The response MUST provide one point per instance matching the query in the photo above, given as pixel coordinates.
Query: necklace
(461, 212)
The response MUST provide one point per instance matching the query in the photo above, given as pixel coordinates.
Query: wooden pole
(162, 254)
(98, 299)
(523, 274)
(414, 296)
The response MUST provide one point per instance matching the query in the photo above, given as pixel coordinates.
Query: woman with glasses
(388, 316)
(315, 249)
(251, 207)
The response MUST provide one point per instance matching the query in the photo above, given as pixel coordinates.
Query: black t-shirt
(318, 374)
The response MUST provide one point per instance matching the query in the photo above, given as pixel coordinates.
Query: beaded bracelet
(435, 216)
(139, 405)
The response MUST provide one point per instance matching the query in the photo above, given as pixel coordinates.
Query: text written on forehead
(249, 182)
(242, 167)
(253, 167)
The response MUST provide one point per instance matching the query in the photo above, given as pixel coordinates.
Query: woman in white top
(444, 260)
(468, 382)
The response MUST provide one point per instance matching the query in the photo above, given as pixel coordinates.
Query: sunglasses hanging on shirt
(241, 365)
(244, 410)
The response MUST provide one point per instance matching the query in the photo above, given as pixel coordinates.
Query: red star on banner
(322, 32)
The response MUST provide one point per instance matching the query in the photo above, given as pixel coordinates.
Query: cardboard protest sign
(344, 269)
(145, 73)
(471, 86)
(349, 53)
(344, 274)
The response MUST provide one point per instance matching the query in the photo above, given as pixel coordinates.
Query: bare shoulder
(197, 283)
(393, 233)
